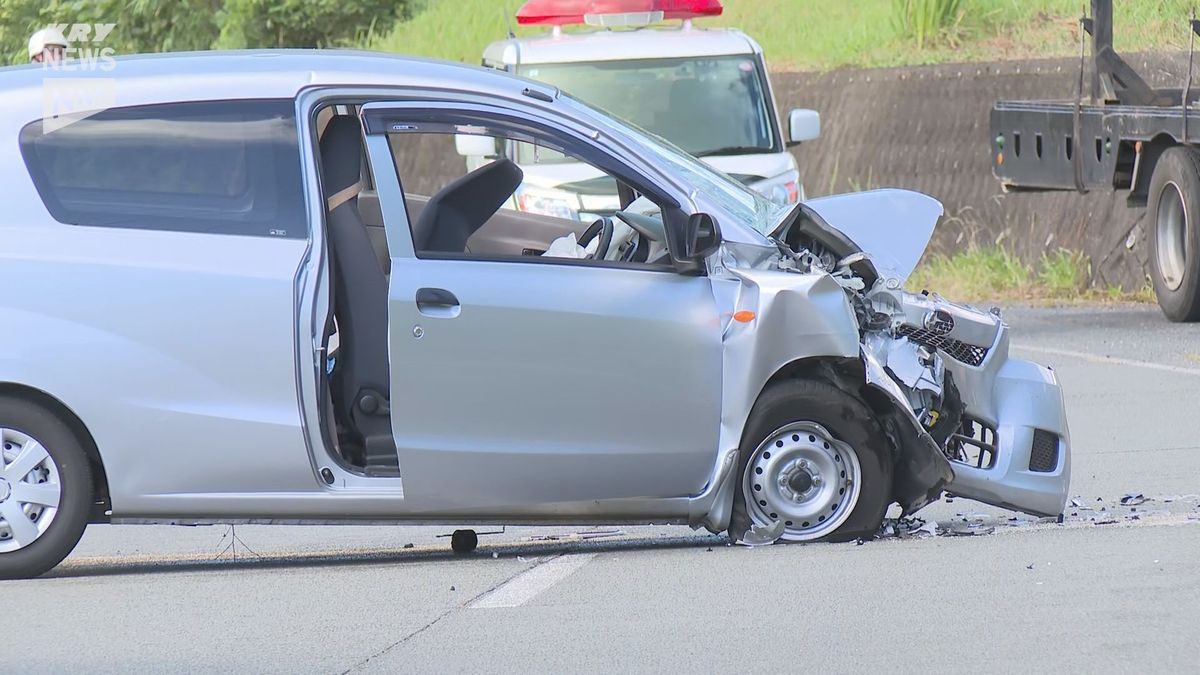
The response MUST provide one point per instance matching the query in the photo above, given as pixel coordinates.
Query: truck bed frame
(1107, 140)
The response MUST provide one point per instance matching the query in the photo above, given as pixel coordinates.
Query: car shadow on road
(169, 564)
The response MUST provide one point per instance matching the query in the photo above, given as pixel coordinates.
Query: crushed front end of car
(964, 416)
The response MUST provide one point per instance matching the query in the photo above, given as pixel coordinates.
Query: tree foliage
(186, 25)
(303, 23)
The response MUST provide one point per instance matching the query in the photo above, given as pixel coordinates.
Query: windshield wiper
(735, 150)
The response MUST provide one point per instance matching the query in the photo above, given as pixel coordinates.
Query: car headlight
(783, 190)
(557, 203)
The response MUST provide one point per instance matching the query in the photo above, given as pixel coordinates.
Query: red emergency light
(613, 12)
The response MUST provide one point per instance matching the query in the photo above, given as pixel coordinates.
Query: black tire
(75, 477)
(1175, 239)
(844, 416)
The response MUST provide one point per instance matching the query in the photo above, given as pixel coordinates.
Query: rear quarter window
(223, 167)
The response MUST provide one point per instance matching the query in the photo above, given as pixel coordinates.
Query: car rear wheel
(45, 489)
(814, 461)
(1174, 210)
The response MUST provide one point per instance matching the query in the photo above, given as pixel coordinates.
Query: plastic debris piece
(1076, 502)
(957, 530)
(1133, 499)
(929, 528)
(495, 555)
(761, 535)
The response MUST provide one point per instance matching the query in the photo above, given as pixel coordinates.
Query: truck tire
(45, 489)
(814, 464)
(1174, 222)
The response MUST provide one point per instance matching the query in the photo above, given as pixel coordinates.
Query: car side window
(222, 167)
(486, 194)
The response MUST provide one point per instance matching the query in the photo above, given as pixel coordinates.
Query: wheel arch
(103, 502)
(921, 468)
(1147, 162)
(846, 374)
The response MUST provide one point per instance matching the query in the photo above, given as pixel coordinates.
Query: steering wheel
(602, 228)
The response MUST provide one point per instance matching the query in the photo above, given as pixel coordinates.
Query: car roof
(229, 75)
(621, 45)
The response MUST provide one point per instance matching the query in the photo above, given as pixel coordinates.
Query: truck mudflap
(1022, 451)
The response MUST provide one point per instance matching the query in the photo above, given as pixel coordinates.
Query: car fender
(782, 317)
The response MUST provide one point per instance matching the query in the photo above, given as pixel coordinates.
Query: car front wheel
(45, 489)
(814, 465)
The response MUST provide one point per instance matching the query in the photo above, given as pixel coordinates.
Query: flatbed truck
(1119, 133)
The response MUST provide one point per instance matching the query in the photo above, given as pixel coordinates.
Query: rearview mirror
(700, 238)
(471, 145)
(803, 125)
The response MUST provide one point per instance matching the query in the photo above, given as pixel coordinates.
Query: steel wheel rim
(1171, 223)
(30, 490)
(804, 477)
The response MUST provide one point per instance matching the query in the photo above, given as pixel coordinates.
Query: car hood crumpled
(890, 225)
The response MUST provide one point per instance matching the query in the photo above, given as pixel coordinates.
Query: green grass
(1064, 273)
(994, 273)
(824, 34)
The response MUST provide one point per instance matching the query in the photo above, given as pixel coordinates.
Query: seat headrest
(341, 155)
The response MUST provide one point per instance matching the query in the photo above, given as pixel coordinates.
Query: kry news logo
(66, 98)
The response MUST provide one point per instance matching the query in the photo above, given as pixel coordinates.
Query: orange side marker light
(743, 316)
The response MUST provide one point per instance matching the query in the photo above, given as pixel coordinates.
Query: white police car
(704, 90)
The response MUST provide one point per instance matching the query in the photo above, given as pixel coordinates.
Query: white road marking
(1111, 360)
(532, 582)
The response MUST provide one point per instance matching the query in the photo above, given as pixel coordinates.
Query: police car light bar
(612, 13)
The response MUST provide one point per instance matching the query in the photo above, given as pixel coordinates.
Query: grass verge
(994, 273)
(825, 34)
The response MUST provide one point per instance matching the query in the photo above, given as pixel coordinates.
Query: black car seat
(360, 380)
(463, 206)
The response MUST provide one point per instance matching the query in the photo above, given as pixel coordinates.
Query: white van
(704, 90)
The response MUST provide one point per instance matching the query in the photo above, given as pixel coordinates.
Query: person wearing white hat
(48, 45)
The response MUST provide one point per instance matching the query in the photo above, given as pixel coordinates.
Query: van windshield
(705, 105)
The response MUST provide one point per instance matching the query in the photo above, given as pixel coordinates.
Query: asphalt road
(1113, 588)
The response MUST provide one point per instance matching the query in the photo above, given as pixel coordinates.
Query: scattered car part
(464, 541)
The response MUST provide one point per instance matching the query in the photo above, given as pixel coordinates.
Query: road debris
(577, 536)
(1081, 511)
(761, 535)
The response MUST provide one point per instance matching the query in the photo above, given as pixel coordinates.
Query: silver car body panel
(1016, 397)
(206, 409)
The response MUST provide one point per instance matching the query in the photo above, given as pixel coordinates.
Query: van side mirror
(471, 145)
(803, 125)
(700, 238)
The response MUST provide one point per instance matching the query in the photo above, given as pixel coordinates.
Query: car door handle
(437, 302)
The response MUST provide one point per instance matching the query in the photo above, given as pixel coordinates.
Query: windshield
(707, 186)
(705, 105)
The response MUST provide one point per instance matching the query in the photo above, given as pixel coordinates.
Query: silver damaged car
(235, 289)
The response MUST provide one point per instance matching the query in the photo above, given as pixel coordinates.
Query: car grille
(1043, 458)
(955, 349)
